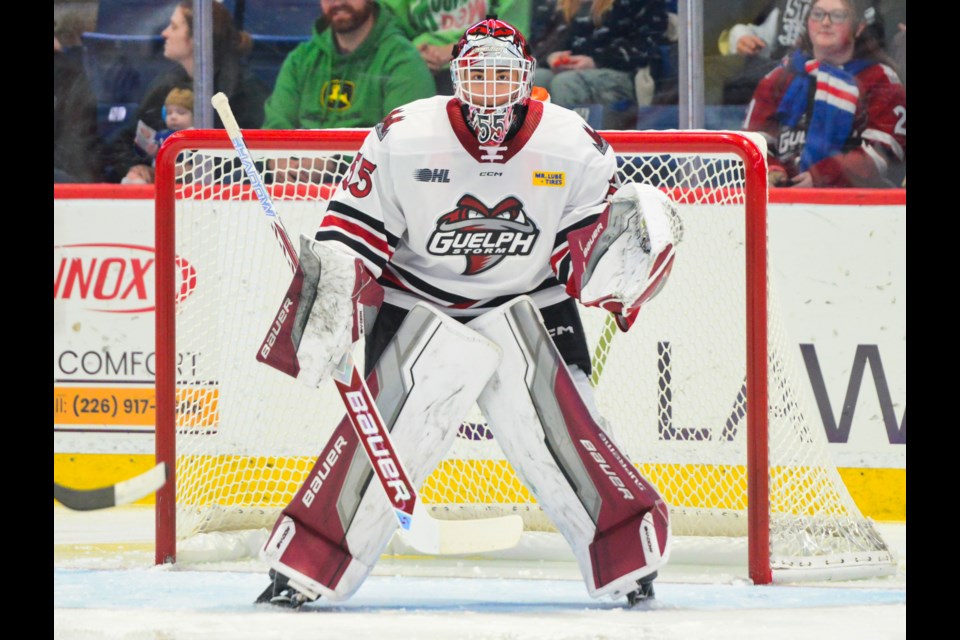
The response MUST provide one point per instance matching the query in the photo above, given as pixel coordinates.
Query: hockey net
(676, 389)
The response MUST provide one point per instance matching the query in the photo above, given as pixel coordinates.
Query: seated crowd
(822, 80)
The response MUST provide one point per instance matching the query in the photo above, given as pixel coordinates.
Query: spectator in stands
(834, 112)
(434, 27)
(246, 92)
(750, 51)
(76, 146)
(592, 53)
(177, 115)
(357, 67)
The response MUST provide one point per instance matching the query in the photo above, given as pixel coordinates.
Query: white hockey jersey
(437, 217)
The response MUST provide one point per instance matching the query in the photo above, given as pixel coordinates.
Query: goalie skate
(644, 591)
(280, 594)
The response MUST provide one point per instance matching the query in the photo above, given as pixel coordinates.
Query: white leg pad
(613, 519)
(333, 532)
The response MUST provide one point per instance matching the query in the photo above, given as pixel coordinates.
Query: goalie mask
(492, 72)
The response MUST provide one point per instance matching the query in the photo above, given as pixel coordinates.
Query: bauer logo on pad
(549, 178)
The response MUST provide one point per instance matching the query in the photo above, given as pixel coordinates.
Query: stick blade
(114, 495)
(458, 537)
(478, 536)
(83, 499)
(146, 483)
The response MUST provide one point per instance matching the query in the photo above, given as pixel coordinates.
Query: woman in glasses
(834, 112)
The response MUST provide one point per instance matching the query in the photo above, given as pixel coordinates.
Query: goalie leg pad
(613, 519)
(329, 537)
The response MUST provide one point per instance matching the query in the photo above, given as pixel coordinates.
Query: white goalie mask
(492, 72)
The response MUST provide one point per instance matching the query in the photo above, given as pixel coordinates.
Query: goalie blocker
(322, 313)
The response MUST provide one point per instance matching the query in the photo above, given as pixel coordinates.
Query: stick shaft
(348, 380)
(423, 532)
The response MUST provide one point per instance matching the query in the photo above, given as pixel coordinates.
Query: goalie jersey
(438, 217)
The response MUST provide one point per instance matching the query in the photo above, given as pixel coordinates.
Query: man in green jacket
(357, 68)
(434, 26)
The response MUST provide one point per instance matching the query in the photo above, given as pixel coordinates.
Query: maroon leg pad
(310, 534)
(625, 496)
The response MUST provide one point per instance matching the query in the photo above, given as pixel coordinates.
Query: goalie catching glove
(322, 313)
(624, 259)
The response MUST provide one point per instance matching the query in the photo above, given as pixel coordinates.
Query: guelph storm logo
(485, 235)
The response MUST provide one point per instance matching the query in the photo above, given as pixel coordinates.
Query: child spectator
(177, 115)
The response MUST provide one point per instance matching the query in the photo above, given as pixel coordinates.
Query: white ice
(106, 586)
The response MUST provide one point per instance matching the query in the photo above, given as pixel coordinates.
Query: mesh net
(673, 389)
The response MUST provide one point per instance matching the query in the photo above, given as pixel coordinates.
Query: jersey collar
(494, 154)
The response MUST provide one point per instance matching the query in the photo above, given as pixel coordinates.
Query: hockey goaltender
(468, 227)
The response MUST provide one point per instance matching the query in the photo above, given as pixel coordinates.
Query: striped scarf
(834, 104)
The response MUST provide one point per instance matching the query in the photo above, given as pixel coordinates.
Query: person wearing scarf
(834, 112)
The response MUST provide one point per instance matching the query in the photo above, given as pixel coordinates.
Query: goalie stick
(418, 529)
(114, 495)
(599, 359)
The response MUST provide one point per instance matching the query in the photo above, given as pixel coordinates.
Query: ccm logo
(271, 338)
(114, 278)
(377, 446)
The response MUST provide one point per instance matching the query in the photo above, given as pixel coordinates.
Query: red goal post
(217, 275)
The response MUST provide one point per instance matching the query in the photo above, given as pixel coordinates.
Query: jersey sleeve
(363, 214)
(591, 190)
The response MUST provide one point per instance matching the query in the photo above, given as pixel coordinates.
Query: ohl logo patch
(337, 94)
(484, 235)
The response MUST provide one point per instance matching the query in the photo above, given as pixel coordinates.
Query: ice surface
(106, 586)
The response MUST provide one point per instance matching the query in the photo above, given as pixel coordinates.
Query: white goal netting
(674, 388)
